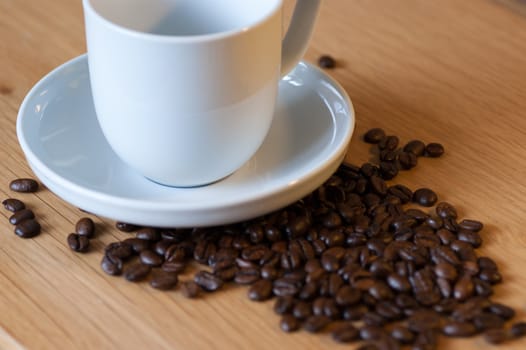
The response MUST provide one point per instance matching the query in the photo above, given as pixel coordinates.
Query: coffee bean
(372, 332)
(424, 320)
(21, 215)
(136, 272)
(13, 204)
(85, 227)
(501, 310)
(446, 270)
(208, 281)
(121, 250)
(416, 147)
(78, 243)
(150, 258)
(24, 185)
(459, 329)
(425, 197)
(490, 275)
(407, 160)
(402, 334)
(125, 227)
(374, 135)
(487, 320)
(496, 336)
(111, 265)
(149, 234)
(289, 323)
(190, 289)
(247, 276)
(326, 61)
(388, 170)
(471, 225)
(138, 245)
(518, 330)
(28, 228)
(346, 333)
(260, 290)
(164, 280)
(316, 323)
(463, 288)
(389, 143)
(434, 150)
(471, 237)
(446, 210)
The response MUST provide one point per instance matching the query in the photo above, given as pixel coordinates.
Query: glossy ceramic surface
(63, 143)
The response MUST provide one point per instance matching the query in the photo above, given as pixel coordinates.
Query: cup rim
(88, 7)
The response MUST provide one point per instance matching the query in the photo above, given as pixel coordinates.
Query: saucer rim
(308, 180)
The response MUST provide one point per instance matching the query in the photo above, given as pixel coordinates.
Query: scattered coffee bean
(374, 135)
(261, 290)
(125, 227)
(13, 204)
(78, 243)
(425, 197)
(459, 329)
(136, 272)
(208, 281)
(289, 323)
(111, 265)
(85, 227)
(151, 258)
(326, 61)
(416, 147)
(21, 215)
(434, 150)
(24, 185)
(28, 228)
(346, 333)
(316, 323)
(518, 330)
(164, 280)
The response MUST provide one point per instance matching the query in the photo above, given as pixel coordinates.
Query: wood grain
(448, 71)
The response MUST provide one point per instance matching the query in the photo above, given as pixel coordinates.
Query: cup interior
(183, 17)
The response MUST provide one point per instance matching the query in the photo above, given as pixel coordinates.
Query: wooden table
(448, 71)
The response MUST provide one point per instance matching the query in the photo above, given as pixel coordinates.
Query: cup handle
(297, 38)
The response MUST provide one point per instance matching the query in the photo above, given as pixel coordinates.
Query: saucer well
(58, 131)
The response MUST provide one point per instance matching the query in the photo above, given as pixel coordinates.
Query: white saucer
(60, 136)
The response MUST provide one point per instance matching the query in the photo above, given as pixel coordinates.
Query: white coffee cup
(185, 90)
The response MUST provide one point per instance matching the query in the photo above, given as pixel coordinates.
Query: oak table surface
(448, 71)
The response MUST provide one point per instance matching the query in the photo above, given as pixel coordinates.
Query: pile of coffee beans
(359, 258)
(23, 219)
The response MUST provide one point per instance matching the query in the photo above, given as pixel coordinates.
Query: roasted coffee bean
(247, 276)
(316, 323)
(388, 170)
(13, 204)
(289, 323)
(149, 234)
(518, 330)
(173, 266)
(407, 160)
(203, 251)
(125, 227)
(388, 309)
(459, 329)
(175, 253)
(269, 273)
(373, 319)
(463, 288)
(491, 276)
(28, 228)
(226, 274)
(121, 250)
(374, 135)
(402, 334)
(471, 225)
(446, 210)
(434, 150)
(21, 215)
(402, 192)
(380, 291)
(138, 245)
(486, 263)
(327, 62)
(501, 310)
(425, 197)
(416, 147)
(24, 185)
(151, 258)
(424, 320)
(78, 243)
(284, 305)
(345, 333)
(85, 227)
(398, 283)
(446, 270)
(136, 272)
(389, 143)
(302, 310)
(160, 247)
(260, 290)
(372, 332)
(164, 280)
(368, 346)
(111, 265)
(208, 281)
(471, 237)
(487, 320)
(190, 289)
(496, 336)
(482, 288)
(469, 309)
(347, 296)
